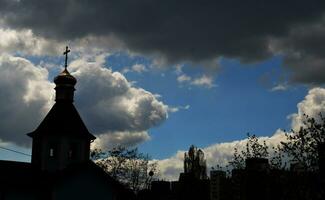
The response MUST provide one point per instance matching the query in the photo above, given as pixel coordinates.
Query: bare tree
(238, 161)
(302, 145)
(254, 149)
(128, 166)
(278, 158)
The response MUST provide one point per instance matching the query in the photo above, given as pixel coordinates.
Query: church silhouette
(60, 167)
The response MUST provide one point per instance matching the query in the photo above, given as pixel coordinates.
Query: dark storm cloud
(303, 51)
(179, 31)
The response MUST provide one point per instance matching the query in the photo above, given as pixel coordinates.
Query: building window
(52, 151)
(73, 150)
(70, 154)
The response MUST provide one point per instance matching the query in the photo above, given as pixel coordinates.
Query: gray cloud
(25, 42)
(303, 51)
(127, 139)
(24, 94)
(186, 31)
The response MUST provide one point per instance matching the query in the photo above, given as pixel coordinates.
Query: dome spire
(65, 82)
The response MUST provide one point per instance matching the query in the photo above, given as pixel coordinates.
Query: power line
(25, 154)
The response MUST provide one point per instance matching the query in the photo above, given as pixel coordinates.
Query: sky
(163, 75)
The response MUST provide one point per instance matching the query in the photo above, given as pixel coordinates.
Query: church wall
(36, 153)
(66, 150)
(19, 194)
(84, 186)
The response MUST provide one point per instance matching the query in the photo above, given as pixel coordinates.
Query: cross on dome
(67, 50)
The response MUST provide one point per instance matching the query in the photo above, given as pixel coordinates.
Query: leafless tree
(302, 145)
(254, 149)
(128, 166)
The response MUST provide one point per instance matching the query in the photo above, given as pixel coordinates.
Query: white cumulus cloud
(312, 105)
(114, 139)
(112, 106)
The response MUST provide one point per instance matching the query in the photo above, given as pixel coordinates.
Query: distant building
(193, 183)
(60, 166)
(321, 156)
(256, 179)
(217, 184)
(195, 163)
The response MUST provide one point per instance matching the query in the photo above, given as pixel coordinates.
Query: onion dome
(65, 78)
(65, 83)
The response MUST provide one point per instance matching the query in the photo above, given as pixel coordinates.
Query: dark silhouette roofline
(62, 119)
(21, 175)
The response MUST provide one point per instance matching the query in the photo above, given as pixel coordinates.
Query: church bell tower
(62, 138)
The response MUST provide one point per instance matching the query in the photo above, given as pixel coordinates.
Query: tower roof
(63, 119)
